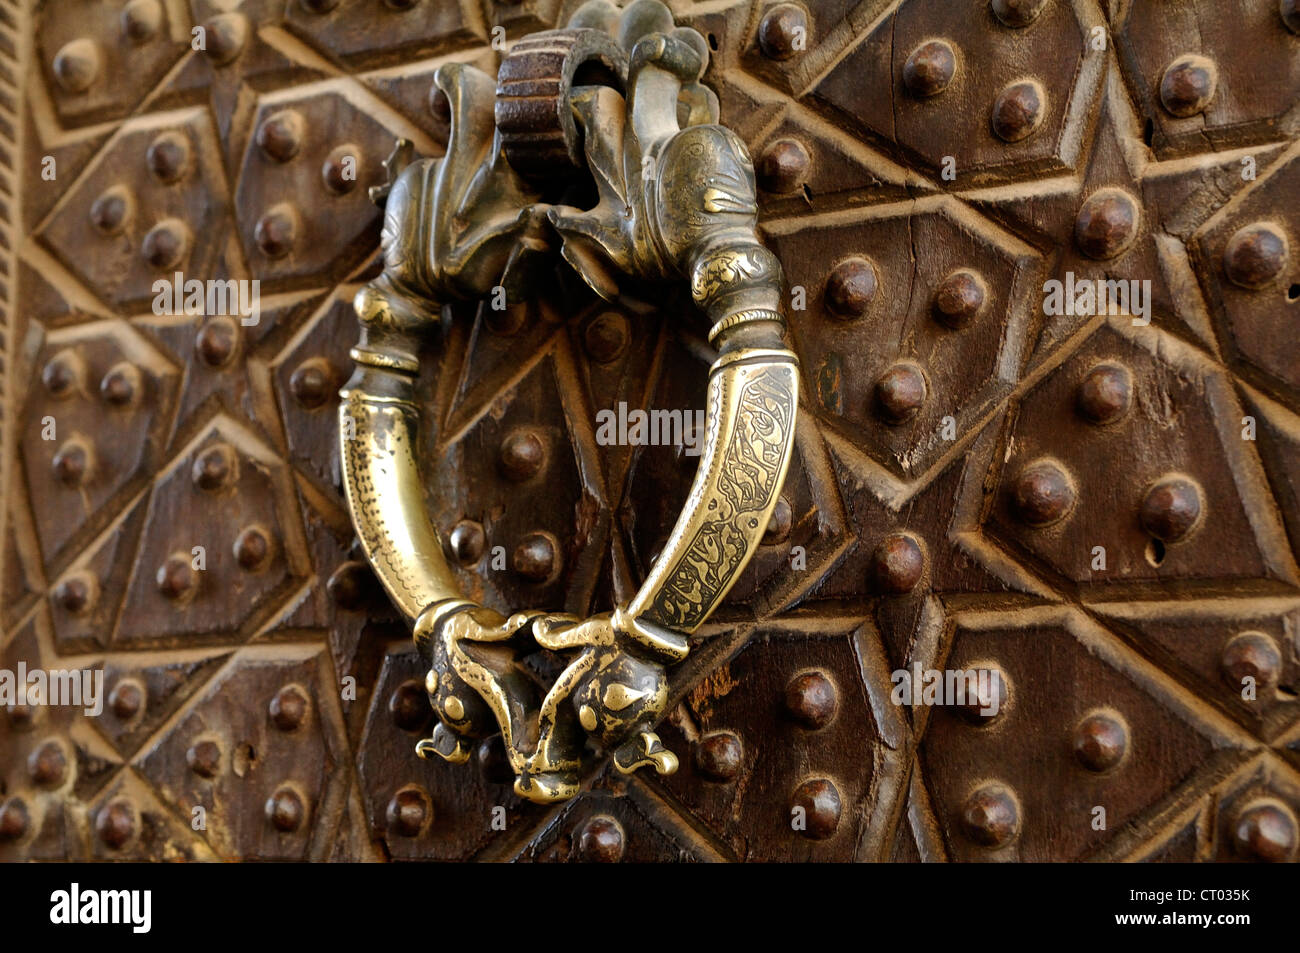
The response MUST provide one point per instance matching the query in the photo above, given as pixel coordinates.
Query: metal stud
(1255, 255)
(1107, 223)
(783, 167)
(1172, 508)
(1265, 830)
(897, 564)
(930, 69)
(1101, 740)
(991, 815)
(77, 65)
(1043, 493)
(820, 800)
(811, 700)
(1105, 394)
(783, 31)
(719, 756)
(600, 840)
(851, 288)
(1018, 111)
(1188, 85)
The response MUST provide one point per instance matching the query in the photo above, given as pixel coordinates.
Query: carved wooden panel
(1102, 509)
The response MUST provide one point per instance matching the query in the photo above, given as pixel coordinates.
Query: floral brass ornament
(622, 102)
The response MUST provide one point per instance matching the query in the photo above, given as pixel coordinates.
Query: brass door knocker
(616, 94)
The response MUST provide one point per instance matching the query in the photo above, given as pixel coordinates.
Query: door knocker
(616, 95)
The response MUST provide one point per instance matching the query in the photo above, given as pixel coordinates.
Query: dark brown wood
(1105, 514)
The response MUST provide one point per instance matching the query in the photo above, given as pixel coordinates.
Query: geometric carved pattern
(962, 456)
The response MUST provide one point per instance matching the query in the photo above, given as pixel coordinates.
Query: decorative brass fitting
(620, 95)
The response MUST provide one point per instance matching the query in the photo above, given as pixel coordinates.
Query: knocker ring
(616, 94)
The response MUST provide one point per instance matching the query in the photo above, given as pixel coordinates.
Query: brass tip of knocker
(644, 750)
(444, 745)
(548, 787)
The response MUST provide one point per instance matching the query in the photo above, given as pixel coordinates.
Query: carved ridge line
(14, 41)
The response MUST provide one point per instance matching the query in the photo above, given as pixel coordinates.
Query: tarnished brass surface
(674, 202)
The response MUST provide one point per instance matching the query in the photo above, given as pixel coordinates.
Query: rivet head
(1255, 255)
(77, 65)
(62, 374)
(600, 840)
(1107, 223)
(1253, 655)
(14, 820)
(986, 698)
(115, 824)
(342, 169)
(1265, 831)
(930, 68)
(111, 210)
(1105, 394)
(960, 298)
(166, 244)
(1018, 13)
(227, 34)
(1018, 111)
(780, 523)
(72, 463)
(350, 585)
(288, 708)
(493, 761)
(719, 756)
(536, 558)
(176, 577)
(47, 765)
(810, 699)
(781, 30)
(276, 231)
(820, 800)
(1043, 493)
(606, 337)
(522, 455)
(215, 467)
(126, 700)
(900, 393)
(1172, 508)
(120, 386)
(468, 542)
(851, 288)
(168, 157)
(897, 564)
(1188, 85)
(77, 592)
(407, 813)
(204, 758)
(1290, 10)
(313, 383)
(409, 705)
(285, 810)
(991, 816)
(1100, 741)
(783, 167)
(141, 20)
(280, 135)
(217, 341)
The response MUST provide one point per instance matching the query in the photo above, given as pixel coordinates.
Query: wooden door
(1103, 509)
